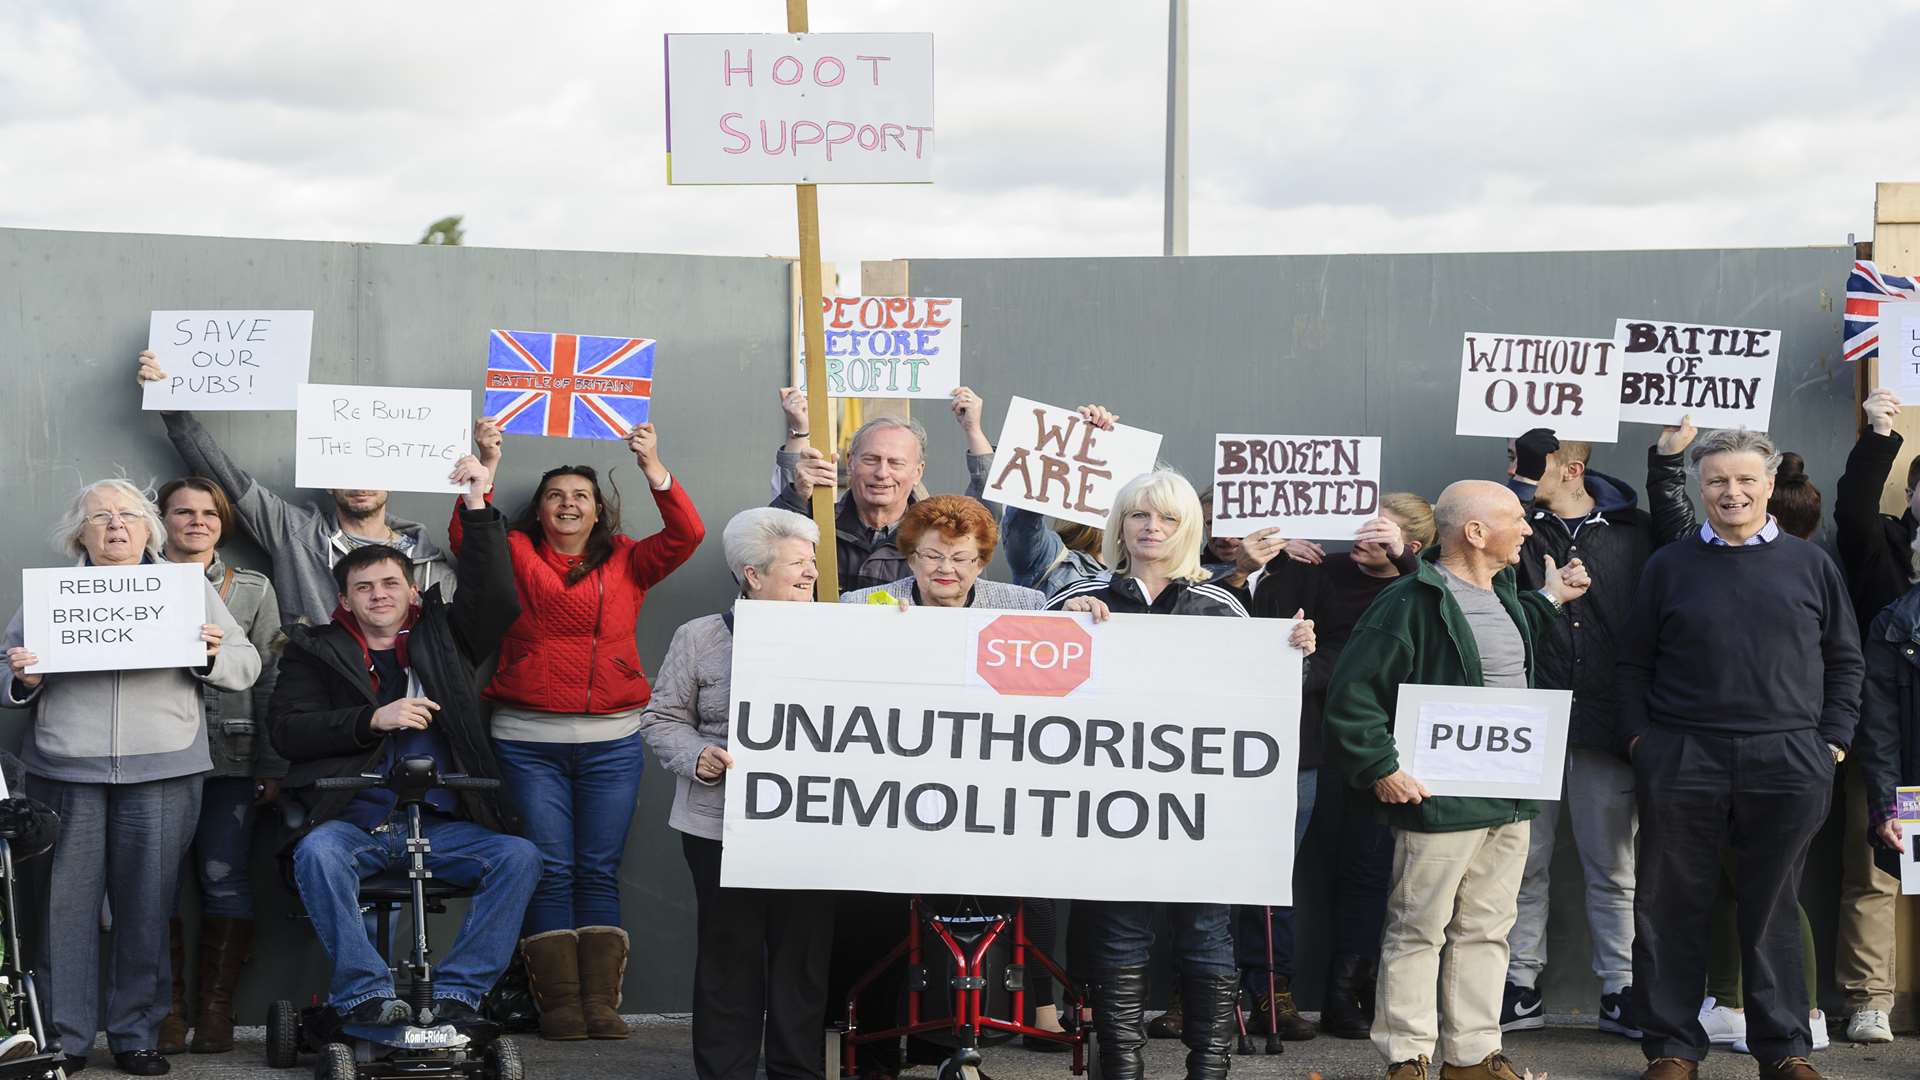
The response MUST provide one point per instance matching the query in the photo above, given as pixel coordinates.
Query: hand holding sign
(476, 477)
(814, 469)
(1675, 438)
(1890, 835)
(1066, 464)
(213, 636)
(644, 441)
(712, 764)
(488, 442)
(231, 360)
(1882, 408)
(20, 660)
(1301, 636)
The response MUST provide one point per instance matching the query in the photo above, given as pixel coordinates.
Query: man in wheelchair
(394, 675)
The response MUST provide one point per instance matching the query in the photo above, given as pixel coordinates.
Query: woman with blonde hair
(1153, 542)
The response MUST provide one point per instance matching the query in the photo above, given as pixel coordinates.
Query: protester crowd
(1726, 674)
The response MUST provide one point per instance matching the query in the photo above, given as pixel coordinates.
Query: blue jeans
(1249, 933)
(223, 846)
(1123, 935)
(329, 863)
(575, 802)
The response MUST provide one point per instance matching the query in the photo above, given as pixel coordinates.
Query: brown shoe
(173, 1029)
(1671, 1068)
(1494, 1066)
(1408, 1070)
(553, 973)
(224, 946)
(603, 967)
(1790, 1068)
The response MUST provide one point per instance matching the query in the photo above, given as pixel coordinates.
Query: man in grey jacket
(303, 541)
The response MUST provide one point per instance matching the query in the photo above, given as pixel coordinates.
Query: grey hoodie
(126, 727)
(303, 541)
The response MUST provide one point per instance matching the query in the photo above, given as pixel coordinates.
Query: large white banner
(228, 360)
(1483, 742)
(1012, 753)
(799, 108)
(381, 438)
(114, 618)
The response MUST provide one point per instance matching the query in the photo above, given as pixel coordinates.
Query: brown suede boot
(173, 1030)
(553, 973)
(603, 966)
(224, 947)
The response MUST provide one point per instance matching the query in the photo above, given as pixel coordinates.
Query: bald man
(1457, 862)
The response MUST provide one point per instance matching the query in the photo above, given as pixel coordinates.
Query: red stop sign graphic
(1034, 655)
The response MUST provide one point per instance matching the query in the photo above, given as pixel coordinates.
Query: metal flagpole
(1175, 233)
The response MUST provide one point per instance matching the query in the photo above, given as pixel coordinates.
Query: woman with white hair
(119, 755)
(760, 960)
(1153, 541)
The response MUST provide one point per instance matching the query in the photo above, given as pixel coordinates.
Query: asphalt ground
(1569, 1048)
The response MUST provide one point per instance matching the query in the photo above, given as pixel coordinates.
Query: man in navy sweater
(1740, 682)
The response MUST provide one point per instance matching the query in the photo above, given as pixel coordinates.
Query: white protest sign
(891, 346)
(1910, 858)
(1011, 753)
(1900, 349)
(799, 108)
(1483, 742)
(228, 360)
(1720, 376)
(1513, 383)
(384, 438)
(114, 618)
(1310, 487)
(1051, 461)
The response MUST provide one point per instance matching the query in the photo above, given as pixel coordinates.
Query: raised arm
(651, 559)
(1856, 503)
(487, 601)
(1667, 501)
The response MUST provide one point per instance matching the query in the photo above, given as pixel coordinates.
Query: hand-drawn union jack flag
(1867, 289)
(569, 385)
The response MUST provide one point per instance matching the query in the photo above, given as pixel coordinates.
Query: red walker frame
(969, 984)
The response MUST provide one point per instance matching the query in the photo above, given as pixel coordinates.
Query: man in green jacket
(1457, 862)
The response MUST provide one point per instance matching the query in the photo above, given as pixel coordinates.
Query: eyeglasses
(958, 562)
(101, 519)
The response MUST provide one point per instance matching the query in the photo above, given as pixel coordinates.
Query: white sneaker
(1816, 1022)
(1869, 1026)
(18, 1046)
(1724, 1026)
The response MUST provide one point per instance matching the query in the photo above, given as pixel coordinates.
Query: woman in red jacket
(567, 696)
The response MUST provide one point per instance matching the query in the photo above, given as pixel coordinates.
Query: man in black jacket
(1577, 513)
(394, 675)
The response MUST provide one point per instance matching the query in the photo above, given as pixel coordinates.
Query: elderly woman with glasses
(119, 755)
(947, 540)
(760, 961)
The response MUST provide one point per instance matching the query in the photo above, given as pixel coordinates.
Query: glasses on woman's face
(933, 560)
(101, 519)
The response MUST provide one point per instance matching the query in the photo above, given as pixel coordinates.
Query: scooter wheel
(1091, 1048)
(501, 1061)
(336, 1063)
(283, 1035)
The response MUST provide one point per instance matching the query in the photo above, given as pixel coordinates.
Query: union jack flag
(1867, 289)
(568, 385)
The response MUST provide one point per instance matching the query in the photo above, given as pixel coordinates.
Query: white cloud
(1316, 128)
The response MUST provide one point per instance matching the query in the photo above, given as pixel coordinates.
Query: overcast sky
(1316, 127)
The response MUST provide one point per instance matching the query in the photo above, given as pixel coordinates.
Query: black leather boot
(1344, 1016)
(1209, 1025)
(1119, 1006)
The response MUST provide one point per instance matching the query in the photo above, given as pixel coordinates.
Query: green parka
(1415, 632)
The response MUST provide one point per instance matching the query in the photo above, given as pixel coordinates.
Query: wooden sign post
(802, 109)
